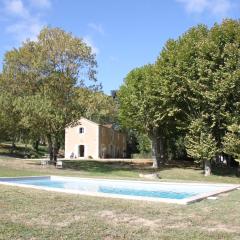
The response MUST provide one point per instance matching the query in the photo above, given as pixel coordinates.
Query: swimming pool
(170, 192)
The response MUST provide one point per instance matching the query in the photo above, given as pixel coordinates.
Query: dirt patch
(115, 218)
(179, 225)
(222, 228)
(68, 221)
(45, 221)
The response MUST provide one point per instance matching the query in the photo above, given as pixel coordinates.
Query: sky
(123, 34)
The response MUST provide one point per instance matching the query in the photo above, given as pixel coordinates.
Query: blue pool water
(153, 190)
(103, 187)
(112, 190)
(146, 193)
(42, 183)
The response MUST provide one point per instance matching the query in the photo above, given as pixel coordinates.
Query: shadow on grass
(181, 164)
(104, 167)
(224, 171)
(111, 166)
(143, 167)
(7, 150)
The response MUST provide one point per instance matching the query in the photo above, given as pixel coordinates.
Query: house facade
(92, 140)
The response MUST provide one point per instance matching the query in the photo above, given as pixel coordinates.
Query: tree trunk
(53, 147)
(36, 145)
(13, 146)
(238, 171)
(50, 148)
(55, 151)
(158, 150)
(207, 167)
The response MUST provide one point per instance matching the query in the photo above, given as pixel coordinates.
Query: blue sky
(124, 34)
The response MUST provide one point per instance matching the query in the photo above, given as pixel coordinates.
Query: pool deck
(198, 197)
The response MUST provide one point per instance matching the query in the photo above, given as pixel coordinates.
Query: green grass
(21, 151)
(35, 214)
(90, 168)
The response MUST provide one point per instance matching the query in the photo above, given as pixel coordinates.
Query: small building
(89, 140)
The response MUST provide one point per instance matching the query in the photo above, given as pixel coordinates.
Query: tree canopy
(41, 77)
(195, 76)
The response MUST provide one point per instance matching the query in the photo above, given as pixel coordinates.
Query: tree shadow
(224, 171)
(7, 150)
(183, 164)
(105, 167)
(135, 166)
(93, 166)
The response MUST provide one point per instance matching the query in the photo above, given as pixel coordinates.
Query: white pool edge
(199, 197)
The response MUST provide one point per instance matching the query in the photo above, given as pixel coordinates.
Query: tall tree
(195, 75)
(216, 87)
(155, 99)
(219, 76)
(200, 144)
(10, 127)
(144, 107)
(232, 141)
(43, 75)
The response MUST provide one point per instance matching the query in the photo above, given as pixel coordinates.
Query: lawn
(172, 172)
(34, 214)
(22, 150)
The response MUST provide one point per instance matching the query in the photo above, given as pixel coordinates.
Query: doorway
(81, 149)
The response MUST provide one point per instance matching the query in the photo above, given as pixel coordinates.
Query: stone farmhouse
(90, 140)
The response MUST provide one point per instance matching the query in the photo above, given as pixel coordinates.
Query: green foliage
(147, 106)
(97, 106)
(137, 103)
(194, 75)
(231, 141)
(199, 142)
(10, 127)
(41, 77)
(44, 87)
(176, 147)
(144, 144)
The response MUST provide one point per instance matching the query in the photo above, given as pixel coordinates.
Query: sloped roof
(89, 121)
(108, 125)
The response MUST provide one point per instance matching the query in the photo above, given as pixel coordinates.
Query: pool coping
(185, 201)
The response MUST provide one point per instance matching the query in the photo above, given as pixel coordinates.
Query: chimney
(113, 94)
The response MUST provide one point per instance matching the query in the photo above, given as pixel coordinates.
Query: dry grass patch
(28, 213)
(35, 214)
(114, 218)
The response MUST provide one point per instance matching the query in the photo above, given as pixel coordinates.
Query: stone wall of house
(112, 144)
(89, 140)
(87, 136)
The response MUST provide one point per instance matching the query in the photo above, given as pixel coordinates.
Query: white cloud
(16, 7)
(222, 8)
(97, 27)
(214, 7)
(88, 40)
(40, 3)
(25, 30)
(24, 21)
